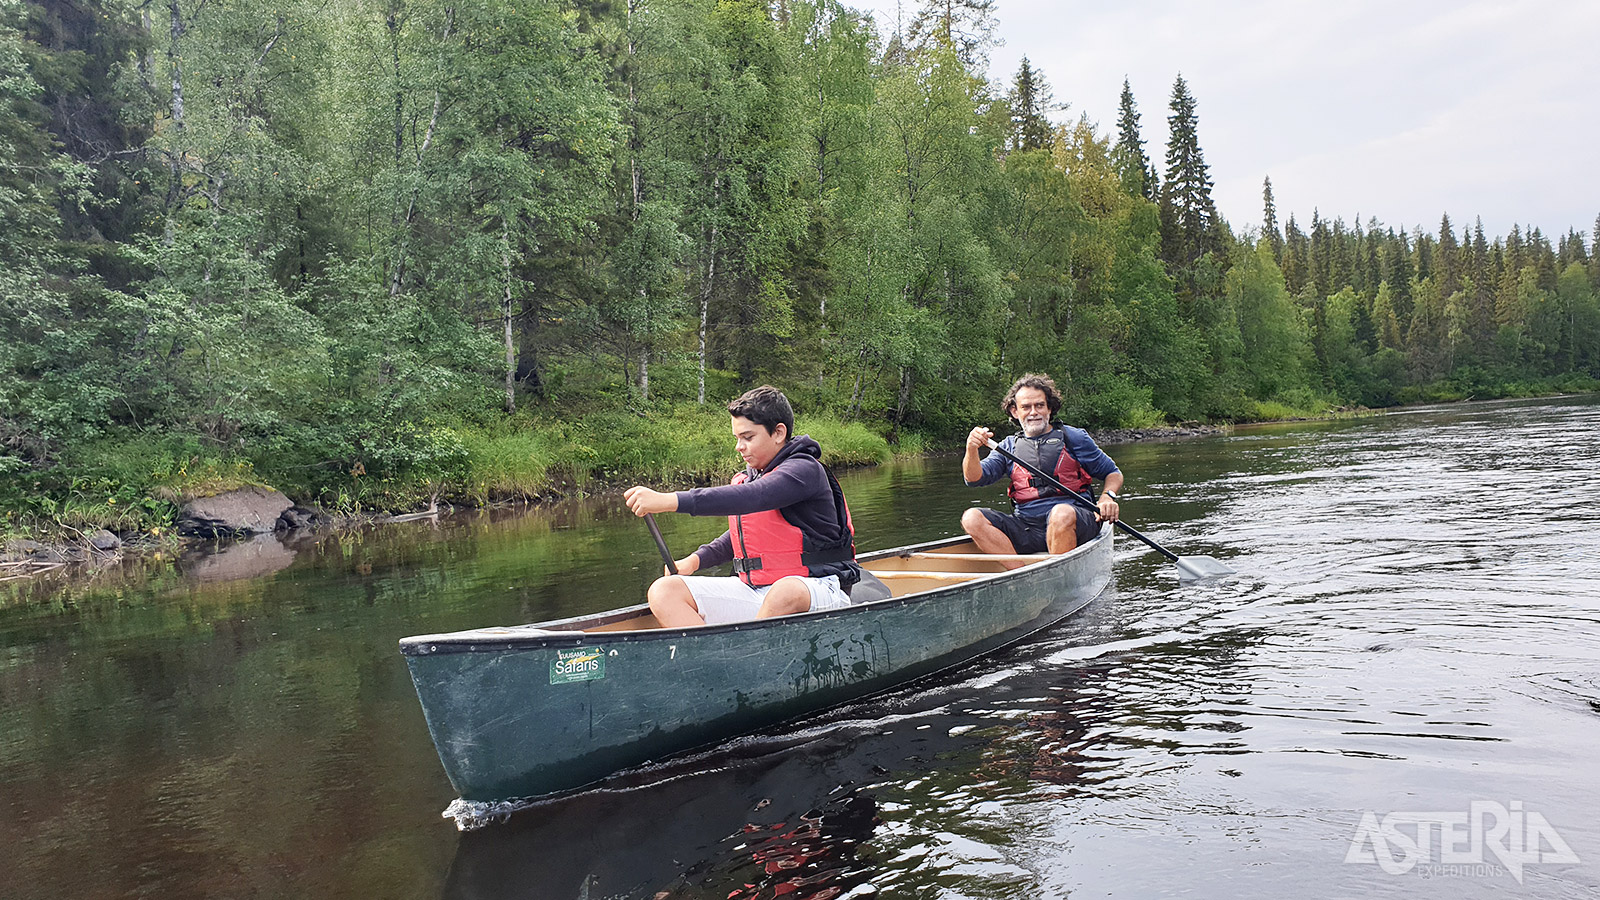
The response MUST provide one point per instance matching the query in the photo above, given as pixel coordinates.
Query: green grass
(526, 457)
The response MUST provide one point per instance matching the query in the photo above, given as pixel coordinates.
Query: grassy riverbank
(133, 482)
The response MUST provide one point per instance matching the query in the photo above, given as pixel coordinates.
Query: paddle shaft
(1080, 498)
(661, 544)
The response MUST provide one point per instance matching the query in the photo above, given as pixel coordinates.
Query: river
(1398, 695)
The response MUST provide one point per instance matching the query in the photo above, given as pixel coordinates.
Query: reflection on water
(704, 834)
(1414, 628)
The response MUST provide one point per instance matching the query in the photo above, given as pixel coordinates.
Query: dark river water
(1398, 695)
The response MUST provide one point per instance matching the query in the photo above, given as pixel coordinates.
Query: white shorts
(724, 598)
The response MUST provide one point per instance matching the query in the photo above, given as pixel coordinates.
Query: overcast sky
(1403, 110)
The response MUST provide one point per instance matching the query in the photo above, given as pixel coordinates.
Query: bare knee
(665, 588)
(785, 597)
(670, 600)
(1061, 534)
(973, 520)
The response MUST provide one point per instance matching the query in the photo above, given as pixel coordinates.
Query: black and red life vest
(1048, 453)
(767, 546)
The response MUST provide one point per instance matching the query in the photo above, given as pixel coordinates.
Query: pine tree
(1189, 214)
(1030, 105)
(1138, 176)
(1269, 221)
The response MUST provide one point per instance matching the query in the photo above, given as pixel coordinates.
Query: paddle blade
(1193, 568)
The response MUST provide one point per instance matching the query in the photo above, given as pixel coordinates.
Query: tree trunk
(511, 347)
(705, 310)
(904, 398)
(176, 59)
(397, 272)
(855, 392)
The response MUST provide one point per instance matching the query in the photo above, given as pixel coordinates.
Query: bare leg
(988, 538)
(787, 595)
(672, 603)
(1061, 534)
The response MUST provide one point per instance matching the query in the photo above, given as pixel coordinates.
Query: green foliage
(376, 253)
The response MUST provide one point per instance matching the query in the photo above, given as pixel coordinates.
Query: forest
(379, 252)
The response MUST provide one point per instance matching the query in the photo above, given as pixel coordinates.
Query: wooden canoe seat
(981, 557)
(932, 576)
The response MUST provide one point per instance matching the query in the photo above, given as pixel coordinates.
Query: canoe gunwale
(568, 632)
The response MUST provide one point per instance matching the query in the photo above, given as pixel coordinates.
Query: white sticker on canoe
(587, 664)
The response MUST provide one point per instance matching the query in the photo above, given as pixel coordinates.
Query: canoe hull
(517, 713)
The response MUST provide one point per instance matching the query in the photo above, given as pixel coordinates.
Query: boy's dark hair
(766, 406)
(1039, 383)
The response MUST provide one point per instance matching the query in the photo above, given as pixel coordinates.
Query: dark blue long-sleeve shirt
(794, 482)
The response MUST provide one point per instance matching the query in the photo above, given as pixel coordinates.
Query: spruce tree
(1572, 250)
(1400, 273)
(1138, 176)
(1321, 260)
(1341, 262)
(1295, 251)
(1424, 254)
(1543, 258)
(1190, 214)
(1483, 287)
(1448, 260)
(1594, 255)
(1269, 222)
(1371, 260)
(1030, 106)
(1356, 251)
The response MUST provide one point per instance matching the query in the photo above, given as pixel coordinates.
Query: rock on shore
(248, 510)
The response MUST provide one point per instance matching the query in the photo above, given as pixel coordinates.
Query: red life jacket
(1048, 453)
(767, 547)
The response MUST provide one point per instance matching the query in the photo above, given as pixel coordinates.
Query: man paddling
(789, 535)
(1045, 519)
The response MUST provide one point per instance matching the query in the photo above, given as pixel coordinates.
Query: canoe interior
(903, 572)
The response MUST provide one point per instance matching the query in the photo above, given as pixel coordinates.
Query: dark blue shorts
(1027, 535)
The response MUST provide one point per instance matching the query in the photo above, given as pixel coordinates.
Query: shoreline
(24, 558)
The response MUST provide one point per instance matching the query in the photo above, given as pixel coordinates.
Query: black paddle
(1189, 567)
(666, 556)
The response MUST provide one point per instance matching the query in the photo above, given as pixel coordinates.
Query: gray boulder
(21, 549)
(296, 517)
(248, 510)
(104, 541)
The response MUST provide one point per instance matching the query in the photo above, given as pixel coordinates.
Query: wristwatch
(1111, 494)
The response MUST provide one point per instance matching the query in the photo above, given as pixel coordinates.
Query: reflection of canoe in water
(529, 710)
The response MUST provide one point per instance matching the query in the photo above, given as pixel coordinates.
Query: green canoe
(529, 710)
